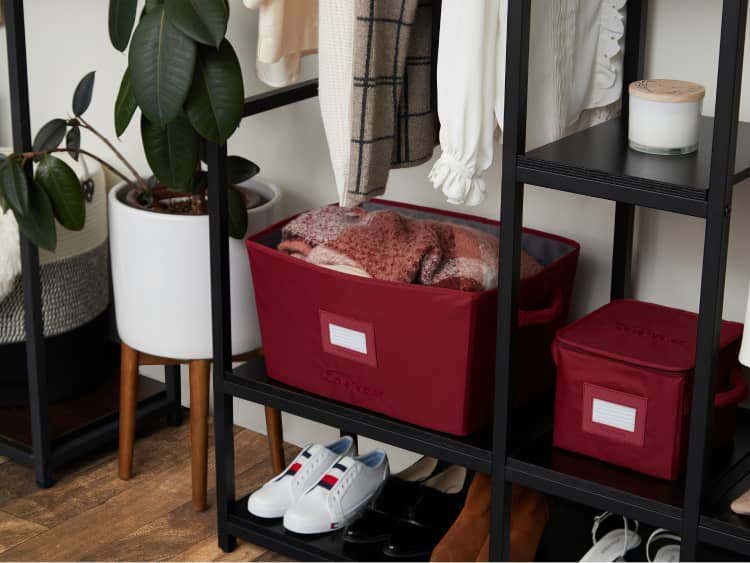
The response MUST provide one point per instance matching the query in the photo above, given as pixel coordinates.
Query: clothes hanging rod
(280, 97)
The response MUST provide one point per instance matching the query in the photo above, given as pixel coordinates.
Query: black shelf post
(32, 291)
(511, 218)
(222, 335)
(633, 69)
(716, 241)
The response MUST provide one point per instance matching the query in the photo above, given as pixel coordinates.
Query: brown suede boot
(464, 539)
(468, 538)
(528, 518)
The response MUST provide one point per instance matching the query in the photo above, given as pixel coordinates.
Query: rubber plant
(184, 76)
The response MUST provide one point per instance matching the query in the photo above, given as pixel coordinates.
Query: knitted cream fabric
(10, 253)
(335, 55)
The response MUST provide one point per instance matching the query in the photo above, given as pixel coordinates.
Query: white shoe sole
(264, 511)
(307, 528)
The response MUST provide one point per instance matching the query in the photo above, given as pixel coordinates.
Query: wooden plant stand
(200, 371)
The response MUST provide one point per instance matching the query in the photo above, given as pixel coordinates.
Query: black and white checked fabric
(394, 121)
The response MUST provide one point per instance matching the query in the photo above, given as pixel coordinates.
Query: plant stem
(33, 154)
(118, 154)
(198, 203)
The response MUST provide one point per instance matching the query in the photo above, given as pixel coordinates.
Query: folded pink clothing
(389, 246)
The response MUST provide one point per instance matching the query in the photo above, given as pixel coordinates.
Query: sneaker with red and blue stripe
(274, 498)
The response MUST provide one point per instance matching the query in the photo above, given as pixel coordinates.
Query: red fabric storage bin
(424, 355)
(624, 380)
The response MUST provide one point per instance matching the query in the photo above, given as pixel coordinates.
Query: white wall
(67, 39)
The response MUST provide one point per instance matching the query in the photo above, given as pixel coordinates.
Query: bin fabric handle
(736, 393)
(546, 315)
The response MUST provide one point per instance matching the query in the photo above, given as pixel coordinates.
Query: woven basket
(75, 278)
(75, 298)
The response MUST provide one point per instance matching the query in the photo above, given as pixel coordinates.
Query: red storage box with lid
(424, 355)
(624, 380)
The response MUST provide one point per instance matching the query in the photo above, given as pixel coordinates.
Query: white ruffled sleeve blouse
(583, 61)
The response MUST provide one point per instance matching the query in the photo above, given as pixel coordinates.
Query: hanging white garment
(287, 31)
(335, 62)
(575, 65)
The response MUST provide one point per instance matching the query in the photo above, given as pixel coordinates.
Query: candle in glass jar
(665, 116)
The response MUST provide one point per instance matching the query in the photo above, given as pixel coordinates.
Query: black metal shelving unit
(595, 162)
(52, 445)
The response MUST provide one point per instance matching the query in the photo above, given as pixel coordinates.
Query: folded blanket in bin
(389, 246)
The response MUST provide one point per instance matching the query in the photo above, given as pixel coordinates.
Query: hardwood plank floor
(91, 515)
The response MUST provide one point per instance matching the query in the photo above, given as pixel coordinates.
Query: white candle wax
(665, 116)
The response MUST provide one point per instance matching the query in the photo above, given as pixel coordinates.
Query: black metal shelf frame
(715, 209)
(44, 454)
(542, 167)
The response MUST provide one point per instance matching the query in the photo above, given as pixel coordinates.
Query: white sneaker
(339, 495)
(274, 498)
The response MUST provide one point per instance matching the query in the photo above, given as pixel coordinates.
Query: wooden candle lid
(663, 90)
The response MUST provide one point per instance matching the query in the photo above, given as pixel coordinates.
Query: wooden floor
(91, 515)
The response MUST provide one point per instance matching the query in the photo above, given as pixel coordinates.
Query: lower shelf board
(594, 483)
(535, 463)
(566, 537)
(719, 525)
(70, 417)
(81, 425)
(250, 381)
(654, 501)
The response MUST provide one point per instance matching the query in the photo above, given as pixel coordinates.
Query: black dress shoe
(437, 506)
(399, 493)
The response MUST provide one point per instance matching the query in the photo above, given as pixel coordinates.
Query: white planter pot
(162, 281)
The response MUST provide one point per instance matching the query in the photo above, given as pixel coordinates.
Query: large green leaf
(14, 185)
(62, 186)
(237, 211)
(172, 151)
(125, 104)
(161, 61)
(38, 224)
(240, 169)
(203, 20)
(216, 97)
(50, 135)
(121, 19)
(83, 93)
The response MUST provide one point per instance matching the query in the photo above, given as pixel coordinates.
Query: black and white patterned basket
(75, 279)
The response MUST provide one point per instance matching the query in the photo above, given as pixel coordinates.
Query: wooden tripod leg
(199, 377)
(128, 406)
(275, 432)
